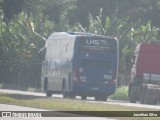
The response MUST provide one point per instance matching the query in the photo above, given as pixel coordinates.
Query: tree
(146, 10)
(11, 8)
(21, 41)
(23, 36)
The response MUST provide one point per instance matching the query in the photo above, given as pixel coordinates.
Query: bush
(120, 94)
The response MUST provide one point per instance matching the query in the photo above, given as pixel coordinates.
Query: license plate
(95, 88)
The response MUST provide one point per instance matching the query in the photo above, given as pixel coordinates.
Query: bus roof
(64, 35)
(72, 33)
(60, 35)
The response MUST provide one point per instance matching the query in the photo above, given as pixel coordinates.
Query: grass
(120, 94)
(60, 104)
(63, 104)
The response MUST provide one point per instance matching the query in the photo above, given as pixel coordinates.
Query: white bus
(81, 64)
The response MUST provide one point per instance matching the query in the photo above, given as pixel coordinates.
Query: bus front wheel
(64, 90)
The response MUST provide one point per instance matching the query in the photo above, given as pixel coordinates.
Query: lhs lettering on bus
(95, 42)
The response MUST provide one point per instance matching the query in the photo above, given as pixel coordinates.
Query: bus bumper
(93, 90)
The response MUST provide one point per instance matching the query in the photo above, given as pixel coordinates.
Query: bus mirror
(42, 53)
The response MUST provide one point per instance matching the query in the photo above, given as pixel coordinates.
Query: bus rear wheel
(97, 98)
(48, 93)
(103, 98)
(71, 96)
(83, 97)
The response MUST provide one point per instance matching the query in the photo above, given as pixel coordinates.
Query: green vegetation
(58, 104)
(121, 94)
(63, 104)
(25, 25)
